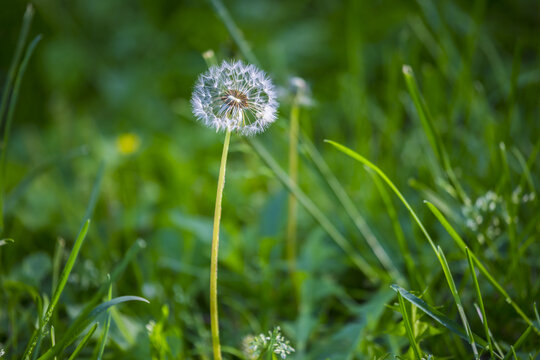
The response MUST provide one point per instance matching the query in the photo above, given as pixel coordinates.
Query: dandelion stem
(215, 247)
(293, 204)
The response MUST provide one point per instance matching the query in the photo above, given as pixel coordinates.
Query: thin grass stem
(350, 208)
(106, 327)
(235, 32)
(58, 291)
(372, 273)
(408, 327)
(9, 111)
(457, 300)
(83, 342)
(480, 301)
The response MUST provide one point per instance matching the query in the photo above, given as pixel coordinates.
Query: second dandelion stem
(214, 321)
(293, 204)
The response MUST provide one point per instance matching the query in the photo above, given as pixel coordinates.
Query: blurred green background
(110, 83)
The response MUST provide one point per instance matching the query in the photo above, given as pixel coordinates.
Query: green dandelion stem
(214, 321)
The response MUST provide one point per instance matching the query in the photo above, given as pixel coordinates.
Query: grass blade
(235, 32)
(6, 125)
(350, 208)
(519, 342)
(431, 133)
(321, 218)
(83, 321)
(480, 300)
(398, 230)
(56, 295)
(379, 172)
(461, 244)
(83, 342)
(457, 300)
(8, 87)
(437, 316)
(408, 327)
(103, 341)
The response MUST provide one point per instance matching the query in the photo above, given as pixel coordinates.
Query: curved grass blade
(408, 327)
(351, 210)
(8, 87)
(103, 341)
(83, 342)
(379, 172)
(83, 321)
(461, 244)
(321, 218)
(437, 316)
(56, 295)
(138, 245)
(6, 125)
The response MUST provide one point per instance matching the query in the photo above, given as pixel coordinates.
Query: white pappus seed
(236, 97)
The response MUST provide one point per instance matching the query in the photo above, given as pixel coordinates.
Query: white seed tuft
(235, 96)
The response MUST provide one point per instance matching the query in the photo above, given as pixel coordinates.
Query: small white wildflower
(150, 326)
(516, 194)
(2, 352)
(235, 97)
(250, 347)
(254, 346)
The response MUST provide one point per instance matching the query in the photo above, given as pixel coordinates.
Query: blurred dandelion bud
(208, 54)
(301, 90)
(235, 97)
(297, 91)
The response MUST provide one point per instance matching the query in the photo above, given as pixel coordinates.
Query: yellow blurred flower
(128, 143)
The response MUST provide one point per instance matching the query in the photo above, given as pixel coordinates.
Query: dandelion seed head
(236, 97)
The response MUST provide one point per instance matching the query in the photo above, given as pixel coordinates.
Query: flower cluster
(254, 346)
(488, 214)
(235, 97)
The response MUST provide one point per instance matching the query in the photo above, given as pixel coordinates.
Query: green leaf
(83, 321)
(56, 296)
(437, 316)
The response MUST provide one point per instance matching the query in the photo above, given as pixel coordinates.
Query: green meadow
(389, 212)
